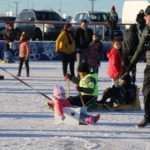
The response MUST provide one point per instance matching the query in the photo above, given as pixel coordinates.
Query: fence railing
(48, 27)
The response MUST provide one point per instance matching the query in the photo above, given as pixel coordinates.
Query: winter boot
(96, 118)
(143, 123)
(18, 75)
(90, 120)
(28, 75)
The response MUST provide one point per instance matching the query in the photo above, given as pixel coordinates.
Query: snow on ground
(26, 124)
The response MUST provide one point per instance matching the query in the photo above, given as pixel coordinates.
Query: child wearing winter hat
(86, 84)
(59, 101)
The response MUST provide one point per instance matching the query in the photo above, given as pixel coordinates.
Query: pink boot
(90, 120)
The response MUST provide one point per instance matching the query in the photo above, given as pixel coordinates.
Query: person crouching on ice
(59, 100)
(122, 93)
(87, 85)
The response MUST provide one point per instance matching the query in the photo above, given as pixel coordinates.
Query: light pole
(16, 3)
(92, 4)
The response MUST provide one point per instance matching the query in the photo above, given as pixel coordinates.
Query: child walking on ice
(59, 100)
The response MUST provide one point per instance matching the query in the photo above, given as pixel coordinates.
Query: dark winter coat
(130, 43)
(83, 38)
(10, 35)
(95, 53)
(112, 19)
(144, 46)
(121, 94)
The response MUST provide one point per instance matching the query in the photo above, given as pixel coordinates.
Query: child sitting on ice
(122, 93)
(59, 101)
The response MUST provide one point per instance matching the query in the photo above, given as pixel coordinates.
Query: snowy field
(26, 124)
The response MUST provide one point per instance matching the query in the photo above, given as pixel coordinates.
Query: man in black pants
(144, 46)
(130, 43)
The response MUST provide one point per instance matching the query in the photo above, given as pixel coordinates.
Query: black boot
(143, 123)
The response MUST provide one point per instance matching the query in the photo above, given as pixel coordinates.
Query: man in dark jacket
(130, 43)
(112, 20)
(144, 45)
(83, 37)
(10, 35)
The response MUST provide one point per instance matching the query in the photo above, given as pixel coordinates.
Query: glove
(78, 88)
(68, 76)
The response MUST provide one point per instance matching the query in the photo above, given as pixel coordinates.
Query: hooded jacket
(115, 68)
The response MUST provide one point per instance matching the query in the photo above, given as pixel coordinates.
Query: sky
(68, 7)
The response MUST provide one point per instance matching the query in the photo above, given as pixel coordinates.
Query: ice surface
(26, 124)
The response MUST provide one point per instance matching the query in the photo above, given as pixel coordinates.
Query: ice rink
(26, 124)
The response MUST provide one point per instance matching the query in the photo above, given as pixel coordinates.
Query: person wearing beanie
(144, 46)
(59, 101)
(112, 20)
(113, 8)
(86, 84)
(122, 93)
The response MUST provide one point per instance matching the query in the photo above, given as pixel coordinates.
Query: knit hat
(59, 92)
(147, 10)
(113, 8)
(127, 78)
(84, 67)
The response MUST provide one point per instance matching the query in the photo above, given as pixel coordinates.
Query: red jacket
(115, 68)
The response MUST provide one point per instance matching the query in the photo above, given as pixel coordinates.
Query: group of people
(86, 47)
(83, 46)
(135, 44)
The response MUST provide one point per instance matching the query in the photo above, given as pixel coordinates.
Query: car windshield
(50, 16)
(98, 17)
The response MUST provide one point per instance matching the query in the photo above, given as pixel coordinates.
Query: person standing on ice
(130, 43)
(95, 53)
(112, 20)
(83, 38)
(144, 46)
(24, 53)
(86, 84)
(65, 45)
(115, 68)
(59, 100)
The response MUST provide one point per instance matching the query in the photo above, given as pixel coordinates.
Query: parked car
(32, 23)
(4, 21)
(94, 17)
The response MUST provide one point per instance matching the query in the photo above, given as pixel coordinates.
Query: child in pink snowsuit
(59, 101)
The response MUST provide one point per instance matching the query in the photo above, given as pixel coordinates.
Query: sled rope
(39, 92)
